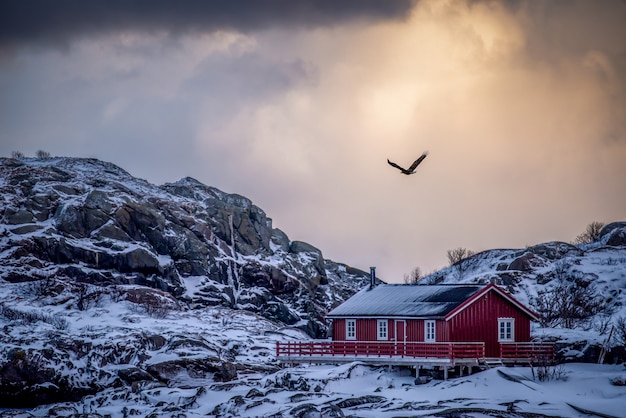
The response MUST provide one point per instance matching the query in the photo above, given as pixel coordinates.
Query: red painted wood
(400, 334)
(380, 349)
(339, 329)
(479, 322)
(531, 351)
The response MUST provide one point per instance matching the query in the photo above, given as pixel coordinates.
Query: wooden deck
(409, 353)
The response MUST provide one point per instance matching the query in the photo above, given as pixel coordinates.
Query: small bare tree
(43, 155)
(458, 258)
(17, 155)
(591, 234)
(414, 276)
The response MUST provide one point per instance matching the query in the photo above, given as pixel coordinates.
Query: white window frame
(350, 329)
(506, 330)
(382, 330)
(430, 331)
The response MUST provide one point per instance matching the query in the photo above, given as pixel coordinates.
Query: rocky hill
(579, 291)
(90, 222)
(125, 298)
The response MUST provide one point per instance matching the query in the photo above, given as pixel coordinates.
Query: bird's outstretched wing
(418, 161)
(391, 163)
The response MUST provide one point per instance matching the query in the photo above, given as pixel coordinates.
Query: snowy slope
(526, 273)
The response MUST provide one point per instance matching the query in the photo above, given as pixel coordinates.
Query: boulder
(280, 312)
(310, 260)
(19, 216)
(555, 250)
(134, 374)
(280, 240)
(608, 228)
(142, 221)
(155, 342)
(527, 262)
(138, 259)
(196, 368)
(614, 234)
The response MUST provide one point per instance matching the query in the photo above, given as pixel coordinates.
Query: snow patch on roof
(403, 300)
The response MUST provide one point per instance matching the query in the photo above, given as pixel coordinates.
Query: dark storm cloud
(44, 21)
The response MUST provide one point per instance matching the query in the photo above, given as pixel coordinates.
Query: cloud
(521, 106)
(57, 22)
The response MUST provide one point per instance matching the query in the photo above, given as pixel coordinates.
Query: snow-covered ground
(262, 387)
(363, 391)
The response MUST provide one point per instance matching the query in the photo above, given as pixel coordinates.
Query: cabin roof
(399, 300)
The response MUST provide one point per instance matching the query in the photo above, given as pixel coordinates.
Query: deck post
(445, 372)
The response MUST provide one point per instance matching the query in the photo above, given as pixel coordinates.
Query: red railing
(530, 351)
(389, 349)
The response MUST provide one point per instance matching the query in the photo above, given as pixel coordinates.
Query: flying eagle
(410, 170)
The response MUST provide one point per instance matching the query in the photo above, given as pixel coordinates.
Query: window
(382, 329)
(505, 329)
(350, 329)
(429, 331)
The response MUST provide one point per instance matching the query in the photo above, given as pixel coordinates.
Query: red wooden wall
(479, 322)
(366, 329)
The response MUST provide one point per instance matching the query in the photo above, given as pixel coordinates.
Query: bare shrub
(116, 293)
(571, 302)
(458, 254)
(545, 371)
(46, 286)
(414, 277)
(88, 296)
(156, 303)
(58, 322)
(603, 323)
(30, 317)
(156, 311)
(620, 329)
(17, 155)
(591, 234)
(42, 155)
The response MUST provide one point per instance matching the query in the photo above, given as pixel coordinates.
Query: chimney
(372, 277)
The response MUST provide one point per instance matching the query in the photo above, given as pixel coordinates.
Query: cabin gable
(478, 321)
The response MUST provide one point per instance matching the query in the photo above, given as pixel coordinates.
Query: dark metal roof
(406, 300)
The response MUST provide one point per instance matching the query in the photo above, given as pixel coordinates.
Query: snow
(359, 390)
(584, 386)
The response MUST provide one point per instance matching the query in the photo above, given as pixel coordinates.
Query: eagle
(410, 170)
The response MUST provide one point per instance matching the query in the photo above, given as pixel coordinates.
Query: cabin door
(400, 347)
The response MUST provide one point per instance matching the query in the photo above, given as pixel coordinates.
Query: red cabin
(425, 324)
(433, 314)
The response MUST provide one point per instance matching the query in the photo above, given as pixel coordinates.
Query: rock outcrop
(89, 221)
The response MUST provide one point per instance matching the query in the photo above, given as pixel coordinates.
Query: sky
(298, 104)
